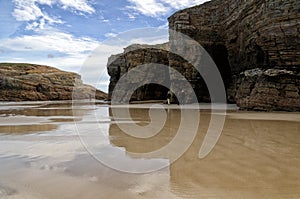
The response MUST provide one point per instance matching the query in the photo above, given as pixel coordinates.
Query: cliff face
(246, 35)
(29, 82)
(271, 89)
(255, 33)
(137, 55)
(254, 43)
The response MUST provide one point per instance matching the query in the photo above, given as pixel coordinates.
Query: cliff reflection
(136, 145)
(37, 117)
(253, 158)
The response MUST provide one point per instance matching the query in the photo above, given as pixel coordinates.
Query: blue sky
(79, 35)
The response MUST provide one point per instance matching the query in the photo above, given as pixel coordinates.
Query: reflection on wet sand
(24, 129)
(253, 159)
(22, 118)
(43, 112)
(41, 155)
(135, 145)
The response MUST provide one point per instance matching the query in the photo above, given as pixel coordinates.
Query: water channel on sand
(42, 155)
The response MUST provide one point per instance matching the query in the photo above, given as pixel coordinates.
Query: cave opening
(150, 92)
(219, 54)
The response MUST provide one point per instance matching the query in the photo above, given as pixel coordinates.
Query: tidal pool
(44, 154)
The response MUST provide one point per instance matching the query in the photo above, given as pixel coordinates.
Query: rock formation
(29, 82)
(254, 43)
(271, 89)
(247, 35)
(133, 56)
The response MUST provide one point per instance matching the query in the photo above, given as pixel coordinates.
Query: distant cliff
(255, 45)
(30, 82)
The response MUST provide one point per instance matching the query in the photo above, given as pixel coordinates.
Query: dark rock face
(272, 89)
(244, 35)
(29, 82)
(255, 33)
(134, 56)
(254, 43)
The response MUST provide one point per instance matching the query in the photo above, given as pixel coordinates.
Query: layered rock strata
(134, 56)
(254, 43)
(246, 35)
(30, 82)
(271, 89)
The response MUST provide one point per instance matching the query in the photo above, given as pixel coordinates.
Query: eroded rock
(135, 56)
(254, 43)
(30, 82)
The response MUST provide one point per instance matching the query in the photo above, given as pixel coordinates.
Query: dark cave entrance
(150, 92)
(220, 57)
(219, 54)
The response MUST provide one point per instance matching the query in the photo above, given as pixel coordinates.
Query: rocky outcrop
(29, 82)
(271, 89)
(256, 37)
(137, 55)
(245, 35)
(255, 33)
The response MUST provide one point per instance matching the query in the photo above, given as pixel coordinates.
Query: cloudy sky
(79, 35)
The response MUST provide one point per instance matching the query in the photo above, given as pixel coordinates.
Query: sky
(80, 35)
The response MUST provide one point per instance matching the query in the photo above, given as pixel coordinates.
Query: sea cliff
(255, 45)
(31, 82)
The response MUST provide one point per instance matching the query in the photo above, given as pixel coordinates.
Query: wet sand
(42, 155)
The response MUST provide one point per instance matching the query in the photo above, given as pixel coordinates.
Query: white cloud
(51, 41)
(110, 34)
(78, 5)
(29, 11)
(148, 7)
(179, 4)
(131, 16)
(156, 8)
(141, 36)
(26, 10)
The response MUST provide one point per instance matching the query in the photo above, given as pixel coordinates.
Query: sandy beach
(42, 154)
